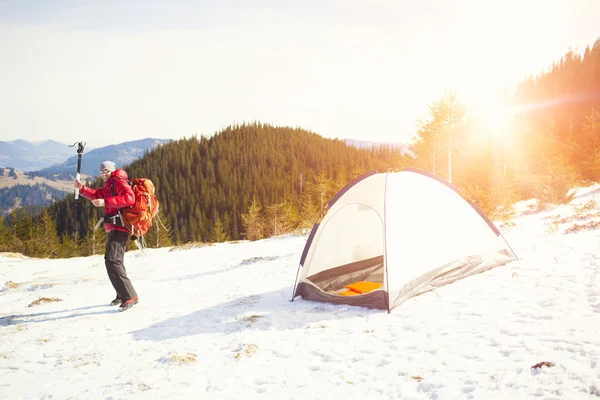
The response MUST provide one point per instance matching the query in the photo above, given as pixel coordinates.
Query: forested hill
(205, 185)
(559, 113)
(28, 195)
(204, 180)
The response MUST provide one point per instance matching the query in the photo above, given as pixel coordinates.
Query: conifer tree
(8, 243)
(218, 234)
(95, 241)
(45, 237)
(590, 130)
(22, 224)
(252, 222)
(290, 218)
(592, 170)
(69, 247)
(323, 187)
(309, 212)
(341, 179)
(159, 234)
(274, 220)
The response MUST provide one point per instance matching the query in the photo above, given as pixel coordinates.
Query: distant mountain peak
(41, 155)
(122, 154)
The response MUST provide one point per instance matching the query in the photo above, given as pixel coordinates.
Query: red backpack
(138, 217)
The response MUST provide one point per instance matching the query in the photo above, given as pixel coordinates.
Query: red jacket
(123, 197)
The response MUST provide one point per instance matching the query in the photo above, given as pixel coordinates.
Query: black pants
(113, 258)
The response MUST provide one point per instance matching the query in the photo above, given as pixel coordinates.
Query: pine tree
(308, 211)
(159, 234)
(341, 179)
(290, 218)
(594, 167)
(69, 247)
(45, 237)
(22, 224)
(218, 234)
(356, 171)
(323, 187)
(95, 242)
(590, 130)
(273, 222)
(8, 242)
(252, 222)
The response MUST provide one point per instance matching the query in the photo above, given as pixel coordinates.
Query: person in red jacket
(113, 195)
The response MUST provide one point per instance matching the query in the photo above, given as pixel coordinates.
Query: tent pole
(295, 283)
(387, 281)
(514, 254)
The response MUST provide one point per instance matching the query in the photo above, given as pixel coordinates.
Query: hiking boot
(116, 302)
(128, 304)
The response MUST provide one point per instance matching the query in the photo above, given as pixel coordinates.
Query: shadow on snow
(264, 311)
(51, 315)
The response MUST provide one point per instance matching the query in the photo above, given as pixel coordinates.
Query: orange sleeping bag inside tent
(359, 288)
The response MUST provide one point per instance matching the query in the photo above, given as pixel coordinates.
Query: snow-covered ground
(216, 323)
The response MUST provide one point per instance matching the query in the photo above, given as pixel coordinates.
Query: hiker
(114, 194)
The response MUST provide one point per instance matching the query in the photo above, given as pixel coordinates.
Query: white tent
(391, 236)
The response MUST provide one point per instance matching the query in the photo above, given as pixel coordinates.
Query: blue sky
(111, 71)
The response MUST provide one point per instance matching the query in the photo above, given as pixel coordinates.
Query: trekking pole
(80, 146)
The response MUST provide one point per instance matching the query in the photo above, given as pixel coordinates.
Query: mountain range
(122, 154)
(32, 156)
(52, 157)
(40, 187)
(24, 188)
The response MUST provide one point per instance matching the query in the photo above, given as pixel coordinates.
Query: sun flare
(493, 117)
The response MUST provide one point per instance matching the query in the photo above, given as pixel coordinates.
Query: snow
(216, 323)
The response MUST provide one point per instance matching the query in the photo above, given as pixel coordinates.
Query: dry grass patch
(11, 254)
(590, 226)
(252, 319)
(12, 285)
(187, 358)
(143, 387)
(589, 206)
(82, 362)
(253, 260)
(42, 300)
(543, 364)
(246, 349)
(190, 245)
(317, 327)
(587, 213)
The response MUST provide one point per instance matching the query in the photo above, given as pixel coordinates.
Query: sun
(493, 117)
(496, 116)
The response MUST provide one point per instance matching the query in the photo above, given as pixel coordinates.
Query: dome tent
(388, 237)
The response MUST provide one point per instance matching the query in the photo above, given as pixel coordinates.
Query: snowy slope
(216, 323)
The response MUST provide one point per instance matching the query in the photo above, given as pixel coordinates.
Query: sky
(113, 71)
(216, 322)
